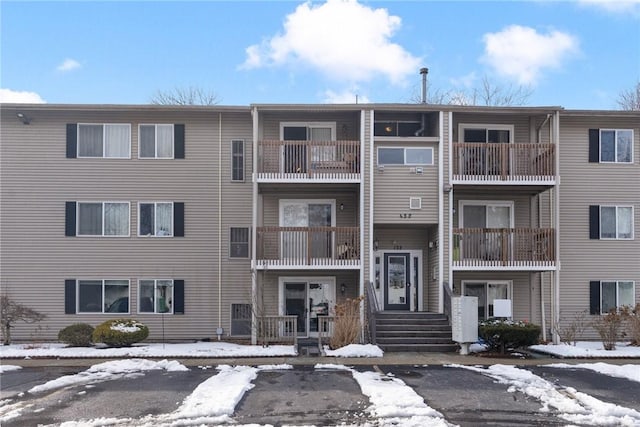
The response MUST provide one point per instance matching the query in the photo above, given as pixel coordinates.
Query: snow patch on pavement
(629, 372)
(355, 350)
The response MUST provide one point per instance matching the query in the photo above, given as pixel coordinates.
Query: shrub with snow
(120, 332)
(502, 335)
(77, 335)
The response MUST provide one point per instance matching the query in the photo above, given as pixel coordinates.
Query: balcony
(484, 163)
(308, 161)
(504, 248)
(308, 248)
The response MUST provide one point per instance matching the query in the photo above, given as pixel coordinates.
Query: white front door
(308, 299)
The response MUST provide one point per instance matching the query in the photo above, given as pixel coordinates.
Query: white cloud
(342, 39)
(615, 6)
(466, 81)
(522, 54)
(345, 97)
(9, 96)
(68, 65)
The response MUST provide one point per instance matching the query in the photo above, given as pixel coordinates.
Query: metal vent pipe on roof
(424, 71)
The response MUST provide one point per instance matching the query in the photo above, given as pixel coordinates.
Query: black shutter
(178, 141)
(178, 219)
(72, 140)
(70, 296)
(178, 297)
(70, 219)
(594, 222)
(594, 145)
(594, 297)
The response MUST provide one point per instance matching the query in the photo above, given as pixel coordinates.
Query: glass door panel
(496, 291)
(397, 286)
(321, 241)
(321, 301)
(294, 243)
(295, 154)
(295, 303)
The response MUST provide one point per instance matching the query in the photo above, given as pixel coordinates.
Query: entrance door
(397, 271)
(485, 244)
(308, 300)
(317, 243)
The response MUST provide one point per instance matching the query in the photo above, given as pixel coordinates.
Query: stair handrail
(447, 301)
(372, 307)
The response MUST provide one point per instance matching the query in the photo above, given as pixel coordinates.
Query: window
(156, 219)
(239, 242)
(611, 145)
(103, 219)
(104, 140)
(607, 295)
(155, 296)
(156, 141)
(487, 293)
(241, 319)
(405, 156)
(237, 160)
(394, 128)
(611, 222)
(103, 296)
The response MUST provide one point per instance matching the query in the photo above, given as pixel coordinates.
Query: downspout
(361, 217)
(254, 228)
(440, 216)
(219, 331)
(370, 253)
(556, 140)
(451, 199)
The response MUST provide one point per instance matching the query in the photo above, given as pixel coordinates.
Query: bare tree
(11, 312)
(487, 93)
(629, 99)
(185, 96)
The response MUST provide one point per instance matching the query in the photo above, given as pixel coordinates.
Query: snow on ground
(355, 350)
(392, 401)
(7, 368)
(593, 349)
(198, 349)
(109, 371)
(629, 372)
(572, 405)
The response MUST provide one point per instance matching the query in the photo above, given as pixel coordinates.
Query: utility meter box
(464, 321)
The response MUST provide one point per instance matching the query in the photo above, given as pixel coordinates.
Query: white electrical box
(502, 308)
(464, 319)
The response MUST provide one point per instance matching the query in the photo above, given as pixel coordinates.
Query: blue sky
(577, 54)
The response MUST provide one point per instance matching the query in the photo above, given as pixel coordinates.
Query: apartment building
(203, 221)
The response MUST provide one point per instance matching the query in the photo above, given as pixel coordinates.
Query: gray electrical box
(464, 321)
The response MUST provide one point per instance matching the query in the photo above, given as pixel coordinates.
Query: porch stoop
(398, 331)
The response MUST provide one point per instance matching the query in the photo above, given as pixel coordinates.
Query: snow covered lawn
(589, 349)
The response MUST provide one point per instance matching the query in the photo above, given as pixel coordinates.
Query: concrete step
(416, 334)
(384, 341)
(405, 327)
(419, 348)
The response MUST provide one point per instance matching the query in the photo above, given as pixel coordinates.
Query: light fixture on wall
(341, 206)
(24, 118)
(343, 289)
(375, 244)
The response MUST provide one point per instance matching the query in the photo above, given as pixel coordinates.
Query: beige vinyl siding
(37, 180)
(396, 184)
(585, 184)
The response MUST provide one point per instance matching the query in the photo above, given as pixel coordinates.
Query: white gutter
(254, 228)
(451, 198)
(361, 215)
(556, 310)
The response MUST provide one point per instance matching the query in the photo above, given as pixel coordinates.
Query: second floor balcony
(504, 163)
(308, 247)
(504, 248)
(308, 161)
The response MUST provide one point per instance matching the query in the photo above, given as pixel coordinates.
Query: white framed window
(487, 292)
(156, 141)
(239, 242)
(237, 160)
(616, 294)
(616, 145)
(616, 222)
(408, 156)
(155, 296)
(485, 133)
(111, 140)
(103, 296)
(155, 219)
(102, 219)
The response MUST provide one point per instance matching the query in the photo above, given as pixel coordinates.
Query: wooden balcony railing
(504, 247)
(282, 160)
(308, 246)
(503, 162)
(277, 329)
